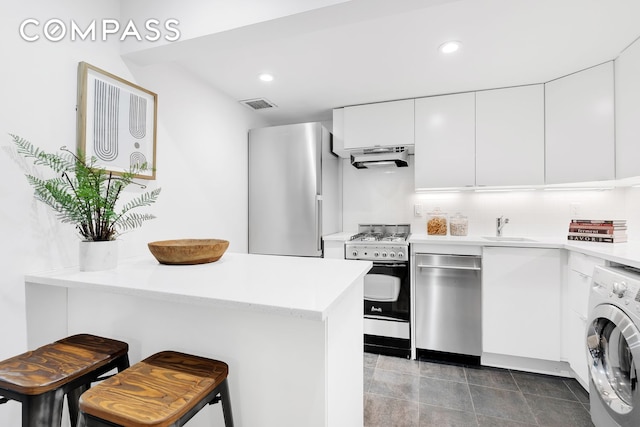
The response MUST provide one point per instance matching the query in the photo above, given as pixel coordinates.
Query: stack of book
(588, 230)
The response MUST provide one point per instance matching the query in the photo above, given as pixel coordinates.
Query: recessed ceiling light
(265, 77)
(450, 46)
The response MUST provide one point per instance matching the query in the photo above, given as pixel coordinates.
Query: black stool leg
(73, 399)
(226, 404)
(82, 420)
(43, 409)
(123, 363)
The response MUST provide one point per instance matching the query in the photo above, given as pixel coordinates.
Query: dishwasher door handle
(450, 267)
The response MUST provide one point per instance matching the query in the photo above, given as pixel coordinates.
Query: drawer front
(578, 288)
(584, 264)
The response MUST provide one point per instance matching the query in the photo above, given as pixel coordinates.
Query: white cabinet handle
(584, 276)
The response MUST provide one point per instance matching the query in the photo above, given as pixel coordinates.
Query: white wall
(202, 161)
(201, 154)
(387, 196)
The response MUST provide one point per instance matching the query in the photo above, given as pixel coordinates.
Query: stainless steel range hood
(380, 157)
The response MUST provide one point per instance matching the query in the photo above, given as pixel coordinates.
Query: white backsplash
(388, 196)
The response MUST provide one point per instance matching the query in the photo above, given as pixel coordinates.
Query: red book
(598, 222)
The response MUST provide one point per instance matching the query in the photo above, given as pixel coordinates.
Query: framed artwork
(116, 122)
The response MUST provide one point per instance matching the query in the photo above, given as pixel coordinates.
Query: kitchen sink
(508, 239)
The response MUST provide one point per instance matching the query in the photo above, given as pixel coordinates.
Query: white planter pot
(96, 256)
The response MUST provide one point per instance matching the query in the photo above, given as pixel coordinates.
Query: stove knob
(376, 254)
(384, 254)
(392, 254)
(354, 253)
(400, 255)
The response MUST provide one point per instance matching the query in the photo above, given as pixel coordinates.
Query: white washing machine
(613, 347)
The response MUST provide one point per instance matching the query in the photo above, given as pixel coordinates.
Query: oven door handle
(381, 264)
(450, 267)
(387, 318)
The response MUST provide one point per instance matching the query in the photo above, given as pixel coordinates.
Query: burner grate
(381, 233)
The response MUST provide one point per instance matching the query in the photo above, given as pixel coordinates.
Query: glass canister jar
(458, 225)
(436, 223)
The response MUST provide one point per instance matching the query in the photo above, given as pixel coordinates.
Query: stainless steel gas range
(387, 293)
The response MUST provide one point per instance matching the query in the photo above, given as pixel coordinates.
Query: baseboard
(539, 366)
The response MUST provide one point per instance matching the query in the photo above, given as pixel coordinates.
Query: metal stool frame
(45, 409)
(219, 394)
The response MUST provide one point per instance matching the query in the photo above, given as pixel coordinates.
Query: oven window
(387, 292)
(612, 364)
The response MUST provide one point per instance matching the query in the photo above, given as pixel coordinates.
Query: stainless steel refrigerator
(294, 190)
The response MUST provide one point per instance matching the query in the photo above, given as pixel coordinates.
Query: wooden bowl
(188, 251)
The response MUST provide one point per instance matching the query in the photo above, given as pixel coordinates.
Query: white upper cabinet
(580, 126)
(510, 136)
(627, 69)
(445, 141)
(385, 124)
(338, 133)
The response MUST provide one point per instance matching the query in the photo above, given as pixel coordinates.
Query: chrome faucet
(500, 223)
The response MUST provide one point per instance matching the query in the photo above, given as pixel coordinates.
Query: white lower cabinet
(579, 272)
(576, 347)
(521, 302)
(333, 249)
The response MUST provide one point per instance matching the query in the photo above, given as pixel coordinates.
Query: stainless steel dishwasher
(448, 306)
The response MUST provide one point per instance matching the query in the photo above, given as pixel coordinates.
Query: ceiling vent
(258, 103)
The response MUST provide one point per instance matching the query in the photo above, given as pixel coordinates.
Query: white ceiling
(366, 51)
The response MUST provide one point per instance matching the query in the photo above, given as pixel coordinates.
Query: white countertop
(342, 236)
(423, 238)
(292, 286)
(623, 253)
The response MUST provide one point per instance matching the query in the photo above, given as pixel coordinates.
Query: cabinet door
(580, 270)
(510, 136)
(578, 286)
(627, 112)
(385, 124)
(445, 141)
(333, 249)
(338, 133)
(521, 302)
(577, 347)
(580, 126)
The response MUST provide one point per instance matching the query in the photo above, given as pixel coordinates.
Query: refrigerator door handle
(319, 222)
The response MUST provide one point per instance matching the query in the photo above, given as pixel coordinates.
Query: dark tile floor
(401, 392)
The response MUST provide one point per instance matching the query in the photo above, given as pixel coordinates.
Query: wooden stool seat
(166, 389)
(41, 378)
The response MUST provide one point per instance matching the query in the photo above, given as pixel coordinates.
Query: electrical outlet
(417, 210)
(574, 210)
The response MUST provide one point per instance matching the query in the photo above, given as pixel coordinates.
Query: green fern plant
(84, 194)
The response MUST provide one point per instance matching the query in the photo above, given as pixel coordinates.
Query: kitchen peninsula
(290, 328)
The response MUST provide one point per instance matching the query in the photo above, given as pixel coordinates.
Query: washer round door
(613, 347)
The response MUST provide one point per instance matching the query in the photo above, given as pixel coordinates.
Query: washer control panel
(620, 284)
